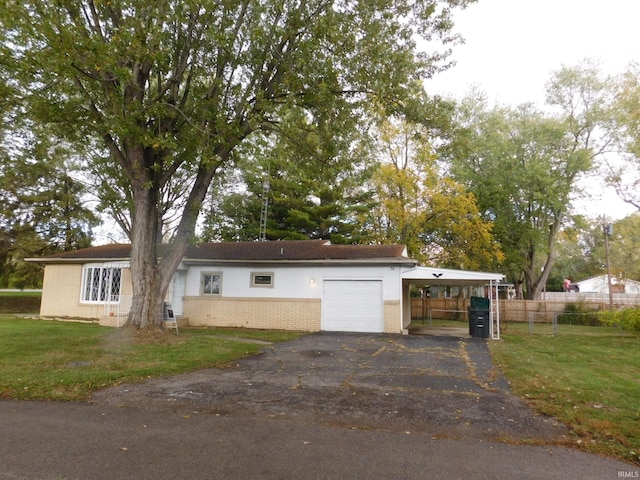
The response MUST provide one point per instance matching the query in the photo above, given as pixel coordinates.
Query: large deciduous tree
(415, 205)
(624, 175)
(172, 87)
(523, 167)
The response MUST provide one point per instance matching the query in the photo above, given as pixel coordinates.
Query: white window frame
(98, 284)
(255, 284)
(203, 285)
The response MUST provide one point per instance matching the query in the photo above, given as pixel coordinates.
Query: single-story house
(600, 284)
(308, 285)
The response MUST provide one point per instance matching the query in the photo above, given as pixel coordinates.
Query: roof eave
(323, 261)
(76, 260)
(210, 261)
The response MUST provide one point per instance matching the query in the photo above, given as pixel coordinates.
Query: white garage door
(352, 306)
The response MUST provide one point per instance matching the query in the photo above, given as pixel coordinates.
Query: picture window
(211, 283)
(101, 284)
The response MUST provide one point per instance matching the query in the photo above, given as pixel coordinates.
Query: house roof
(286, 251)
(112, 251)
(602, 279)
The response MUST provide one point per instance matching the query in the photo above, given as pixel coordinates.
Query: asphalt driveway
(322, 407)
(445, 386)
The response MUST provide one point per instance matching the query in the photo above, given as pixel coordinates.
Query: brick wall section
(61, 290)
(392, 316)
(111, 321)
(271, 313)
(61, 293)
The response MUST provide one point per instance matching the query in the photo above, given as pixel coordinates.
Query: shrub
(580, 313)
(626, 318)
(19, 303)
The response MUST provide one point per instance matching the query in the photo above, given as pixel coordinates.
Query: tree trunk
(535, 282)
(151, 270)
(148, 292)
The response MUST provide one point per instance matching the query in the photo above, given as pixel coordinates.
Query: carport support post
(406, 307)
(494, 328)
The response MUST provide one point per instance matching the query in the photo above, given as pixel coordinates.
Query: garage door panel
(352, 306)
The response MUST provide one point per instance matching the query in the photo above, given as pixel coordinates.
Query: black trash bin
(479, 317)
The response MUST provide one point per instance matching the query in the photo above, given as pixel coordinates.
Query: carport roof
(445, 276)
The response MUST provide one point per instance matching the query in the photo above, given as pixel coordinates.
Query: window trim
(101, 284)
(202, 284)
(254, 284)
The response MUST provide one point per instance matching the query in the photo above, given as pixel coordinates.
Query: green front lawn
(42, 359)
(587, 377)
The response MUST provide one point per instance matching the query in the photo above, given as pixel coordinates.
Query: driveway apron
(445, 386)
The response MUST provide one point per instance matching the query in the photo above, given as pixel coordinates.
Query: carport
(450, 277)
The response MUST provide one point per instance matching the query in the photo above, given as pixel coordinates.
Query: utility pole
(608, 231)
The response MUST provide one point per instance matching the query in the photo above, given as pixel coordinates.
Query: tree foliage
(42, 206)
(625, 175)
(523, 167)
(414, 205)
(625, 247)
(172, 88)
(581, 252)
(310, 176)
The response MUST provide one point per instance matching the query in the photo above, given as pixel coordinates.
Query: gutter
(75, 260)
(212, 261)
(325, 261)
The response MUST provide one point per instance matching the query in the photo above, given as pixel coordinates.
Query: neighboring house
(308, 285)
(601, 285)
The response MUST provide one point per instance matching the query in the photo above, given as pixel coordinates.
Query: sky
(513, 46)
